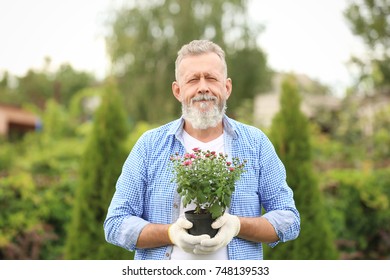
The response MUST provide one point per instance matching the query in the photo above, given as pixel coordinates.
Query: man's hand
(229, 227)
(179, 236)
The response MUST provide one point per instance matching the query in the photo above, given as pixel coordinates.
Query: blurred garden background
(65, 133)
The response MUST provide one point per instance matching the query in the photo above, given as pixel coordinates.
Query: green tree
(144, 39)
(67, 82)
(360, 201)
(290, 135)
(37, 86)
(37, 182)
(381, 135)
(369, 19)
(100, 167)
(7, 95)
(250, 75)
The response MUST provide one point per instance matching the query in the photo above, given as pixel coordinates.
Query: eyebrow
(197, 75)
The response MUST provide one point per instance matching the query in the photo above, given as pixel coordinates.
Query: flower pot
(201, 223)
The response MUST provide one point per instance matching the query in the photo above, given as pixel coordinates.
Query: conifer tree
(100, 167)
(290, 136)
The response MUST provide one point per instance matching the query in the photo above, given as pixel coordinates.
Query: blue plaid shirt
(145, 194)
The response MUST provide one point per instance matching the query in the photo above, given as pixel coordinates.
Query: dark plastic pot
(201, 223)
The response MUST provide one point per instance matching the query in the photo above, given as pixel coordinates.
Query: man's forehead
(210, 56)
(205, 63)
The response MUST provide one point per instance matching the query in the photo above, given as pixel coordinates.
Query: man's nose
(203, 86)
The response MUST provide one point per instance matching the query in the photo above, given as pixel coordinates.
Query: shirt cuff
(129, 232)
(281, 220)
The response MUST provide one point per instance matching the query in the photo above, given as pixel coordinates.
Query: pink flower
(231, 169)
(187, 162)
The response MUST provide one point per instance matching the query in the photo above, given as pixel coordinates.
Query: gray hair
(198, 47)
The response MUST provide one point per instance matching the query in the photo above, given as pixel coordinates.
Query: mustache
(203, 97)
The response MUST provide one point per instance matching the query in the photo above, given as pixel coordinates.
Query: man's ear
(228, 87)
(176, 90)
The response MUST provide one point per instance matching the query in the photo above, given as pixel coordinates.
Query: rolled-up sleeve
(123, 222)
(284, 223)
(277, 196)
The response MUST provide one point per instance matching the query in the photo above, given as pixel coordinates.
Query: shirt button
(175, 205)
(167, 255)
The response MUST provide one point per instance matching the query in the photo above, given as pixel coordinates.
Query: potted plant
(206, 179)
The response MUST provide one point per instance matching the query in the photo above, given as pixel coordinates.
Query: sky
(303, 36)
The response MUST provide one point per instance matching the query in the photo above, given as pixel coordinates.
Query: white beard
(204, 119)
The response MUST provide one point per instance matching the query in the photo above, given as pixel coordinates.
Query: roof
(16, 116)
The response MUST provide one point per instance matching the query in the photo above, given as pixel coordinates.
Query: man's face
(203, 89)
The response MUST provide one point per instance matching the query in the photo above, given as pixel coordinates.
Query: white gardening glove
(229, 227)
(179, 236)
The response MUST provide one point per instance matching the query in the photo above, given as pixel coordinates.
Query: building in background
(15, 122)
(315, 98)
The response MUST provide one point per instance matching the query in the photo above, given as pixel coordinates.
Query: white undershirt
(218, 146)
